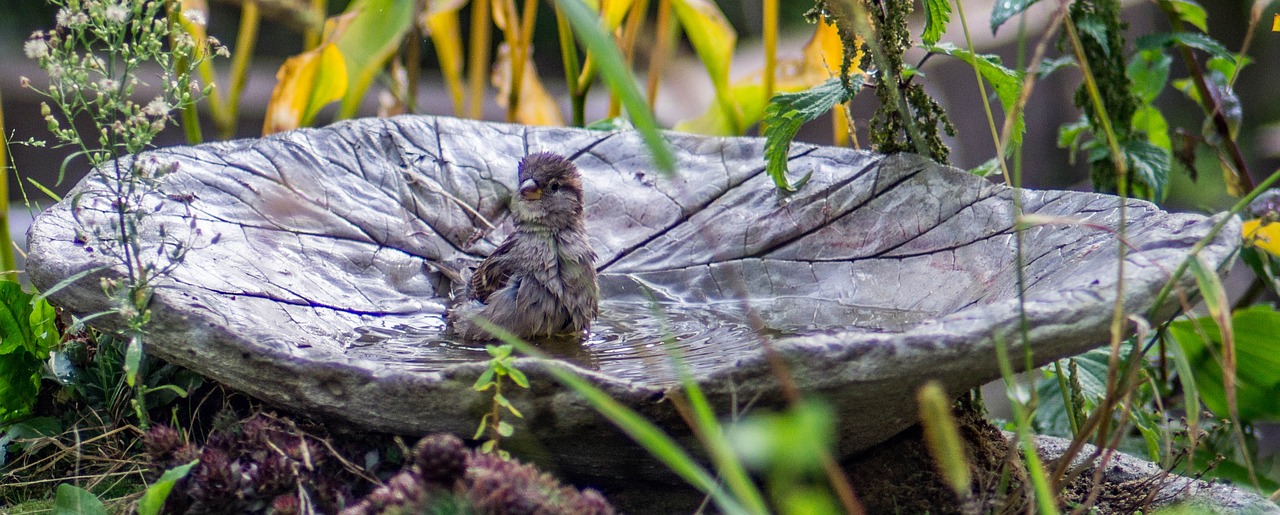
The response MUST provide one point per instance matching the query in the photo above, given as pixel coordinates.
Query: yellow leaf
(713, 39)
(1275, 24)
(1265, 237)
(614, 11)
(819, 61)
(537, 107)
(305, 83)
(440, 22)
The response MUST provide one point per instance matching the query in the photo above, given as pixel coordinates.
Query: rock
(322, 292)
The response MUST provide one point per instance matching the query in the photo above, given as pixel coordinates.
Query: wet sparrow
(542, 280)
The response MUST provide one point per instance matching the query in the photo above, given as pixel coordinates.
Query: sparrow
(542, 280)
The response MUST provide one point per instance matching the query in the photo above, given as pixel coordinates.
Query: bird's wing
(492, 274)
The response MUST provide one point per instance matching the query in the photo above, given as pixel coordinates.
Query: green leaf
(1071, 135)
(498, 351)
(586, 25)
(505, 429)
(155, 495)
(1149, 71)
(518, 377)
(1007, 83)
(488, 445)
(484, 381)
(986, 169)
(1150, 121)
(936, 15)
(73, 500)
(133, 359)
(484, 425)
(1191, 12)
(374, 34)
(785, 114)
(1048, 66)
(1149, 167)
(1257, 361)
(27, 333)
(1191, 39)
(1005, 9)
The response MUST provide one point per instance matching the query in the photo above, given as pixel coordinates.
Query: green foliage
(501, 365)
(784, 116)
(375, 33)
(787, 449)
(27, 334)
(936, 15)
(1007, 83)
(1257, 350)
(153, 498)
(18, 434)
(1191, 12)
(908, 119)
(1003, 10)
(73, 500)
(613, 67)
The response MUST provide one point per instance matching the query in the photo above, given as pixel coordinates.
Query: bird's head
(550, 191)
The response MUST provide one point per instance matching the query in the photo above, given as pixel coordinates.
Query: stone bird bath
(322, 293)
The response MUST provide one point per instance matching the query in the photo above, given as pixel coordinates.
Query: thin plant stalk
(246, 39)
(635, 21)
(478, 62)
(413, 67)
(8, 265)
(890, 79)
(572, 66)
(770, 26)
(986, 100)
(1045, 500)
(1220, 124)
(311, 38)
(665, 41)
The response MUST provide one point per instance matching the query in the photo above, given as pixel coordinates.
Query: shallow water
(628, 339)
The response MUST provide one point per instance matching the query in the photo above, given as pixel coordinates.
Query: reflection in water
(627, 340)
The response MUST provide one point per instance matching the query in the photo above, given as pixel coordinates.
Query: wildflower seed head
(36, 47)
(195, 16)
(157, 107)
(116, 13)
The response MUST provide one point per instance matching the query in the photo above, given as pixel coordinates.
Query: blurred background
(686, 90)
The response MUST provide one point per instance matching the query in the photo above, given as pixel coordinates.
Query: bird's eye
(555, 186)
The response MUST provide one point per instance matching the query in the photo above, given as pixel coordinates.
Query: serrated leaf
(153, 498)
(1007, 83)
(936, 15)
(1149, 71)
(1191, 12)
(782, 120)
(1191, 39)
(1005, 9)
(1148, 167)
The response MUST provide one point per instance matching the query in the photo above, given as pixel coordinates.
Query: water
(628, 339)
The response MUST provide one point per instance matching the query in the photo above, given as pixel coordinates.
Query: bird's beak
(530, 190)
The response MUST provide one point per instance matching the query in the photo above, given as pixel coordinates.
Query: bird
(541, 281)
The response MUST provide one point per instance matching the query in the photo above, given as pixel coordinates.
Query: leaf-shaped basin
(321, 292)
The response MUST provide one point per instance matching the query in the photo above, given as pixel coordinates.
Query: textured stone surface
(886, 272)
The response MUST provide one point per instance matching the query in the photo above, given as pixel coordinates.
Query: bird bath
(321, 293)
